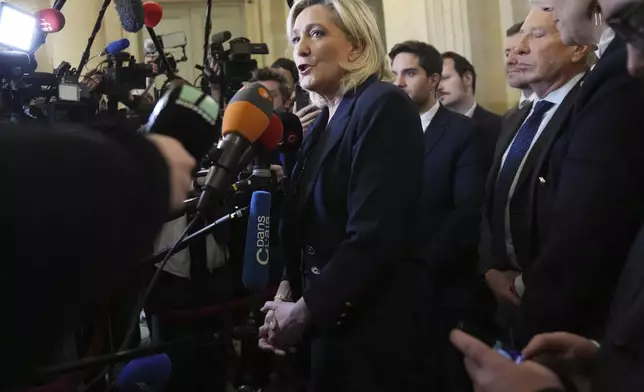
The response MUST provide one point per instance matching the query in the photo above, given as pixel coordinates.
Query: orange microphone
(246, 118)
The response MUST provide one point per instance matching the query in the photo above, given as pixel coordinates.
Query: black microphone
(291, 140)
(188, 115)
(131, 14)
(220, 37)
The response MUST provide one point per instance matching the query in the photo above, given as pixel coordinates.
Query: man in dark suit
(553, 70)
(457, 91)
(590, 193)
(455, 168)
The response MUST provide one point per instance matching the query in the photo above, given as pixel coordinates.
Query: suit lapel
(329, 136)
(436, 129)
(542, 144)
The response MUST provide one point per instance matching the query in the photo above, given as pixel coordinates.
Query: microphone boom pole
(90, 41)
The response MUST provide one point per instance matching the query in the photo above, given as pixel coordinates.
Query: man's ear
(582, 53)
(435, 80)
(468, 79)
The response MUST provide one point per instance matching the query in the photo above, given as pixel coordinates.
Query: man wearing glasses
(581, 364)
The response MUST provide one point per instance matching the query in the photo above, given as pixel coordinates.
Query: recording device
(255, 273)
(293, 132)
(149, 374)
(245, 119)
(188, 115)
(236, 63)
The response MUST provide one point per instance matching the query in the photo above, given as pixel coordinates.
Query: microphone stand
(183, 244)
(92, 37)
(208, 31)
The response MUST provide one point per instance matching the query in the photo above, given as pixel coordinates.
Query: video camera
(236, 63)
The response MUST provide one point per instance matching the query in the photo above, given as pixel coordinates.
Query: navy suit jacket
(348, 224)
(489, 125)
(455, 170)
(590, 205)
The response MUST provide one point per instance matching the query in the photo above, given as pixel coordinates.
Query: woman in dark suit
(347, 227)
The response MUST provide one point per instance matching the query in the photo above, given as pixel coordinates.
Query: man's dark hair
(514, 29)
(288, 65)
(462, 66)
(267, 74)
(429, 58)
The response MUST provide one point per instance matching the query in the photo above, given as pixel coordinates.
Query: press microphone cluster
(245, 122)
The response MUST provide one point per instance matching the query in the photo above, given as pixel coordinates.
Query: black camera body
(237, 64)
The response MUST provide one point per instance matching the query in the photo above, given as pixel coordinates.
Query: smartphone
(302, 98)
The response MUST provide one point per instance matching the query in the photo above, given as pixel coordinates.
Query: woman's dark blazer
(349, 219)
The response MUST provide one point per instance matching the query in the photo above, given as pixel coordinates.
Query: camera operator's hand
(279, 172)
(180, 165)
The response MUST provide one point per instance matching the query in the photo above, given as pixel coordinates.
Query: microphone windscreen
(131, 14)
(248, 112)
(272, 136)
(149, 46)
(220, 37)
(145, 374)
(255, 273)
(153, 13)
(50, 20)
(188, 115)
(117, 46)
(293, 132)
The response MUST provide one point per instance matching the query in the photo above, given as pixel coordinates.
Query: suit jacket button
(542, 180)
(343, 315)
(338, 323)
(310, 250)
(315, 270)
(348, 304)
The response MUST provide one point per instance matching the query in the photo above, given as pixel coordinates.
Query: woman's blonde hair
(356, 20)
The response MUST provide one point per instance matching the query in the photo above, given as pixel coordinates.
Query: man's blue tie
(516, 154)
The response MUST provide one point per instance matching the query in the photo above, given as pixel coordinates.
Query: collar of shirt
(606, 38)
(557, 96)
(524, 98)
(426, 118)
(470, 113)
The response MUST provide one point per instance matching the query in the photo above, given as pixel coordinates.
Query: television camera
(235, 64)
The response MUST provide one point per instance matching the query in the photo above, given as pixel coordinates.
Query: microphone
(116, 46)
(261, 177)
(255, 271)
(220, 37)
(188, 115)
(153, 12)
(148, 374)
(293, 132)
(292, 140)
(131, 14)
(149, 46)
(245, 119)
(51, 20)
